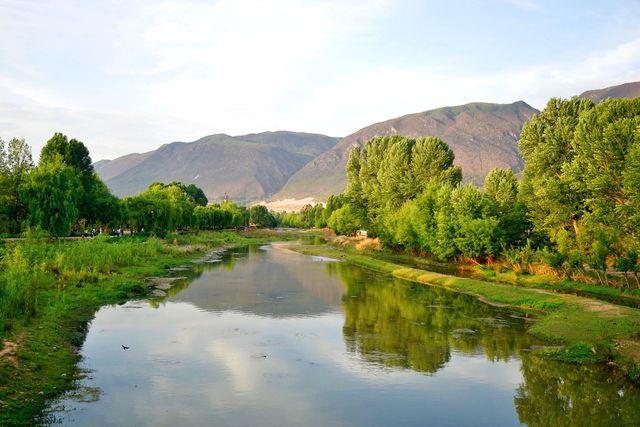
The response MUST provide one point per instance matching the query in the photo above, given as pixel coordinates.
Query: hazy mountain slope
(298, 165)
(108, 169)
(626, 90)
(218, 164)
(482, 135)
(310, 144)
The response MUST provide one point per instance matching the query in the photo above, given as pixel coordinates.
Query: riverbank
(50, 291)
(590, 330)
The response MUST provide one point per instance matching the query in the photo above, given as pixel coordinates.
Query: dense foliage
(15, 165)
(63, 195)
(577, 207)
(582, 180)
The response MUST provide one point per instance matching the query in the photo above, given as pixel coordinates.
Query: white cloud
(107, 134)
(241, 61)
(386, 92)
(128, 77)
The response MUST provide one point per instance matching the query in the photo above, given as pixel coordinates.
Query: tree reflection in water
(410, 325)
(556, 393)
(400, 324)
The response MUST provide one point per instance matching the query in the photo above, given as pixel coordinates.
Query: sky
(127, 77)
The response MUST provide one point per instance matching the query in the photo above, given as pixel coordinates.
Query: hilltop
(246, 167)
(482, 136)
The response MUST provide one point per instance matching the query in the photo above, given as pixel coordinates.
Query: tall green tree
(503, 190)
(581, 177)
(73, 153)
(546, 147)
(51, 194)
(94, 203)
(196, 194)
(345, 220)
(432, 161)
(160, 208)
(260, 216)
(15, 165)
(102, 207)
(390, 170)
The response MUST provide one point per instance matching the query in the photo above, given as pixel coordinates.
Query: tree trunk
(626, 280)
(599, 278)
(605, 277)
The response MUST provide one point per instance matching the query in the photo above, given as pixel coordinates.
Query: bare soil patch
(9, 351)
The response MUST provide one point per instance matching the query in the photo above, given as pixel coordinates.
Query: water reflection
(555, 393)
(275, 281)
(409, 325)
(267, 336)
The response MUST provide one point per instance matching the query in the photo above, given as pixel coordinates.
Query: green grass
(50, 290)
(612, 331)
(580, 352)
(618, 295)
(503, 275)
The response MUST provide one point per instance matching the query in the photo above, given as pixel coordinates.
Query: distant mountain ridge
(482, 136)
(296, 165)
(245, 169)
(626, 90)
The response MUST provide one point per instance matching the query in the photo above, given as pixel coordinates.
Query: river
(263, 336)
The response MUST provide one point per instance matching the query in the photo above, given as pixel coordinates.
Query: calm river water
(263, 336)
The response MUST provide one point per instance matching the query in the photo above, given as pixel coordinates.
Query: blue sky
(129, 76)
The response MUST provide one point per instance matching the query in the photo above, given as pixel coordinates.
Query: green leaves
(51, 194)
(73, 153)
(582, 177)
(388, 171)
(406, 192)
(161, 208)
(15, 165)
(345, 220)
(260, 216)
(224, 215)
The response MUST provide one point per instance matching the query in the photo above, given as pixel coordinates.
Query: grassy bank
(583, 285)
(590, 330)
(50, 290)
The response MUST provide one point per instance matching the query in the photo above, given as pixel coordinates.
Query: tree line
(63, 195)
(576, 205)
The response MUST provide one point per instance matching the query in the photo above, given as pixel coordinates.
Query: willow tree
(96, 205)
(51, 194)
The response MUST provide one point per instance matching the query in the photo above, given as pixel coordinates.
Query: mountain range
(482, 136)
(626, 90)
(296, 165)
(245, 168)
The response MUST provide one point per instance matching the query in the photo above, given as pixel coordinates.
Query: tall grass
(34, 269)
(31, 267)
(219, 238)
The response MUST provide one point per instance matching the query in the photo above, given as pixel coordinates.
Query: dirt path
(9, 350)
